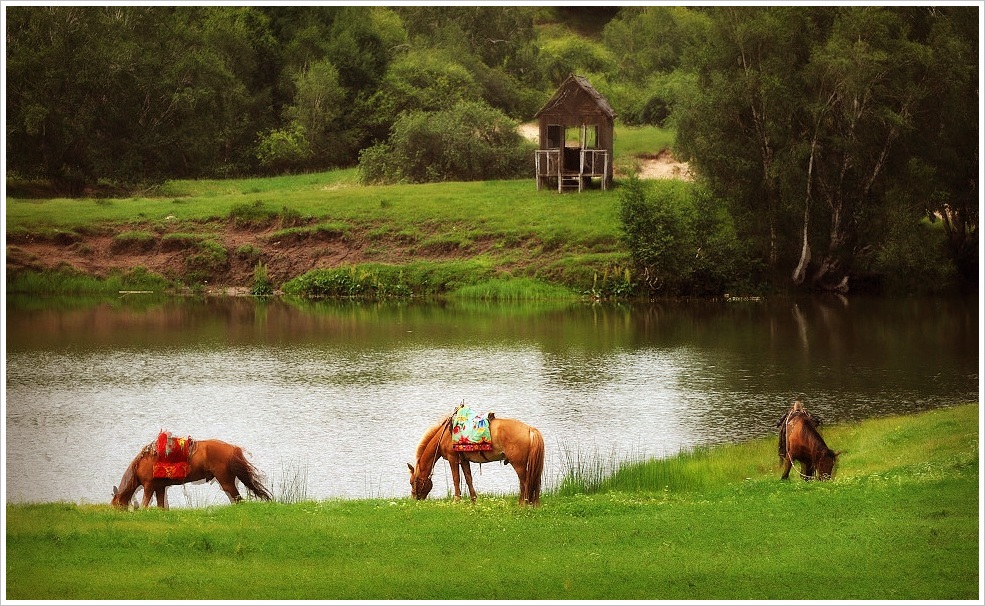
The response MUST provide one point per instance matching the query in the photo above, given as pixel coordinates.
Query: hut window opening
(581, 137)
(553, 136)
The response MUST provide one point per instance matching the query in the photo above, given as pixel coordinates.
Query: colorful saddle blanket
(470, 430)
(172, 456)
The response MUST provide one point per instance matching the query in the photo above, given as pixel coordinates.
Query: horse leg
(807, 470)
(162, 496)
(228, 484)
(456, 478)
(787, 464)
(467, 470)
(521, 474)
(148, 493)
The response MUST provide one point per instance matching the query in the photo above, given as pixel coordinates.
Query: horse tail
(535, 467)
(248, 475)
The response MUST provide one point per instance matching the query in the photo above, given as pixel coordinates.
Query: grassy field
(506, 229)
(900, 521)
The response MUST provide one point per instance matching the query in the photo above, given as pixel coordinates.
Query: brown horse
(801, 442)
(514, 442)
(207, 460)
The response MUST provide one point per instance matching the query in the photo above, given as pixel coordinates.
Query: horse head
(420, 484)
(119, 501)
(826, 464)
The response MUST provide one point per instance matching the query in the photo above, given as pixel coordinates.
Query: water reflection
(344, 391)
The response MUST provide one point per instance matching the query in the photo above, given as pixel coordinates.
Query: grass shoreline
(901, 520)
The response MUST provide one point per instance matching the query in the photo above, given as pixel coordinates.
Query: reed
(68, 282)
(291, 486)
(513, 289)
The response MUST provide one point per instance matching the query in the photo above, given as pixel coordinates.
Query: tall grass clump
(262, 286)
(513, 289)
(379, 280)
(71, 282)
(691, 469)
(292, 484)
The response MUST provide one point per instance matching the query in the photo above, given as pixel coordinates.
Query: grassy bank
(217, 231)
(900, 521)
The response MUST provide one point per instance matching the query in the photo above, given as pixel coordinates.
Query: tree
(805, 118)
(127, 93)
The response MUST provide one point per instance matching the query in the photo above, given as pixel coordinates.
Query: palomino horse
(514, 442)
(207, 460)
(803, 443)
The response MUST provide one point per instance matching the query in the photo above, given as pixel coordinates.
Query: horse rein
(437, 446)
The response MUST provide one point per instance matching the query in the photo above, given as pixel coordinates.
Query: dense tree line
(835, 136)
(830, 136)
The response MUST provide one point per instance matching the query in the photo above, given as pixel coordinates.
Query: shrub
(469, 142)
(681, 240)
(262, 286)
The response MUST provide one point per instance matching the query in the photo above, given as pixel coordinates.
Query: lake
(335, 396)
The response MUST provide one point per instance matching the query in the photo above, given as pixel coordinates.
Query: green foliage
(209, 259)
(424, 80)
(378, 281)
(681, 241)
(805, 119)
(284, 148)
(262, 286)
(468, 142)
(512, 289)
(67, 281)
(570, 54)
(913, 257)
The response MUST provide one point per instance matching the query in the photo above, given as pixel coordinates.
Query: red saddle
(172, 456)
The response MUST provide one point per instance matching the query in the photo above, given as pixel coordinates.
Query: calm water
(341, 393)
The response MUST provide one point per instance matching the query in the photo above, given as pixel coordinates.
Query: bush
(681, 240)
(469, 142)
(913, 257)
(262, 286)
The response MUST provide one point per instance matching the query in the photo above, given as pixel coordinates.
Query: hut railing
(594, 163)
(591, 163)
(548, 164)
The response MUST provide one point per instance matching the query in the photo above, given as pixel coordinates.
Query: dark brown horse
(207, 460)
(801, 442)
(514, 442)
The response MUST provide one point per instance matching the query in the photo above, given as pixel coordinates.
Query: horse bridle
(437, 446)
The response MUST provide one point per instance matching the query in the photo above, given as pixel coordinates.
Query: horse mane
(129, 483)
(429, 436)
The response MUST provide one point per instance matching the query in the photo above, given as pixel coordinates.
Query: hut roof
(570, 86)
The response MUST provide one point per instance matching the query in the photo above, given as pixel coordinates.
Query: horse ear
(411, 468)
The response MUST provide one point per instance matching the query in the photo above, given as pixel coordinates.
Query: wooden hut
(575, 137)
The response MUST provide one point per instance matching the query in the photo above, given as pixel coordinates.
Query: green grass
(899, 522)
(70, 282)
(570, 241)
